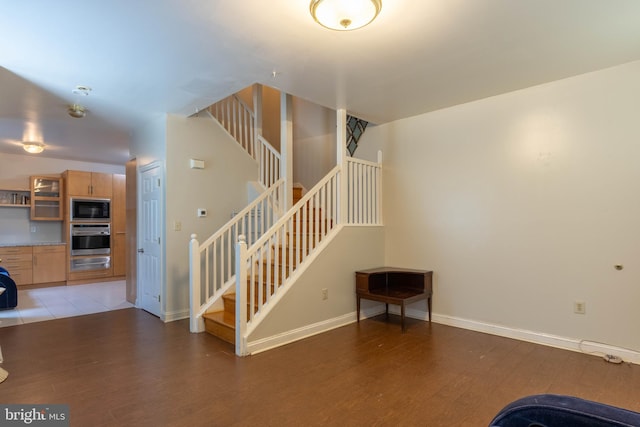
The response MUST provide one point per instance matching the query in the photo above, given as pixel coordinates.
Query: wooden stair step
(217, 323)
(296, 193)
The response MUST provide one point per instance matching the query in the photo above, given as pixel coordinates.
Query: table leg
(402, 316)
(429, 307)
(358, 307)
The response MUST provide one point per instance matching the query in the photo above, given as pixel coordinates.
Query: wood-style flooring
(127, 368)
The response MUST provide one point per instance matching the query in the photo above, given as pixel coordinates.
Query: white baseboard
(573, 344)
(278, 340)
(175, 315)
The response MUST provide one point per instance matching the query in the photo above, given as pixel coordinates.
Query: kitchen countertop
(8, 245)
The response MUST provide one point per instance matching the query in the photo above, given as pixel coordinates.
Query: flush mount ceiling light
(344, 15)
(33, 147)
(77, 111)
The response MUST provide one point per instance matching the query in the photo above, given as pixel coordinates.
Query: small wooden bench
(400, 286)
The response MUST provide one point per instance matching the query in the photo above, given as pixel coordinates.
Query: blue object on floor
(9, 298)
(550, 410)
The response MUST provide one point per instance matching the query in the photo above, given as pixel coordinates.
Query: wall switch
(579, 307)
(177, 225)
(325, 293)
(196, 164)
(34, 228)
(202, 212)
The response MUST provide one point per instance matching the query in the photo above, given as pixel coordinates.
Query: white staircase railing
(239, 121)
(267, 267)
(213, 264)
(269, 160)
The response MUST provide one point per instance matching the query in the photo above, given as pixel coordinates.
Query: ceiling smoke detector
(77, 111)
(81, 90)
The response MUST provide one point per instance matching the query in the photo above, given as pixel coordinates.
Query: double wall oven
(90, 234)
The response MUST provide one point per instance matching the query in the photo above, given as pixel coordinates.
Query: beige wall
(354, 248)
(522, 204)
(221, 188)
(314, 139)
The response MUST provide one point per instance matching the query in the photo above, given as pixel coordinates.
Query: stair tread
(220, 317)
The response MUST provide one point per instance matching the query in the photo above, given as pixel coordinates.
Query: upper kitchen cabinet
(92, 184)
(46, 198)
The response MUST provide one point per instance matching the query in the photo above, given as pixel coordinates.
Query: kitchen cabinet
(18, 261)
(118, 226)
(49, 264)
(46, 198)
(91, 184)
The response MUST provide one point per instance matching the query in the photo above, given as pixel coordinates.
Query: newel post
(341, 160)
(257, 121)
(379, 190)
(286, 148)
(241, 296)
(196, 324)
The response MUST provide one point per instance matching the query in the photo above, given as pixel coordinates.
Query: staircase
(241, 273)
(222, 323)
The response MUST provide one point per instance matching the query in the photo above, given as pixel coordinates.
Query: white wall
(314, 139)
(221, 188)
(302, 308)
(15, 170)
(522, 204)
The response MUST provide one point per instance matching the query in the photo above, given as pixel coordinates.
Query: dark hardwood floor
(126, 368)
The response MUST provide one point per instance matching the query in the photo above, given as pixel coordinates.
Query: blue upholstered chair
(550, 410)
(9, 296)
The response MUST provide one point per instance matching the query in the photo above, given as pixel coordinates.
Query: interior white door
(150, 265)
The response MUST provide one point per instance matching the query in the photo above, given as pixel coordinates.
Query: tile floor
(37, 305)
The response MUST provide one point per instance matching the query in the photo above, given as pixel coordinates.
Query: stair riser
(221, 331)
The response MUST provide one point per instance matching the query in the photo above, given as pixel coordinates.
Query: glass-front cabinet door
(46, 198)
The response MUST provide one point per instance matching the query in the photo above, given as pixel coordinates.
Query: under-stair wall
(302, 311)
(221, 188)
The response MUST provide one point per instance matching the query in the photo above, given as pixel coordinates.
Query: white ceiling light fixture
(345, 15)
(33, 147)
(76, 110)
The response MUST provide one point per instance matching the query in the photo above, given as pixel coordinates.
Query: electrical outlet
(177, 226)
(325, 293)
(579, 307)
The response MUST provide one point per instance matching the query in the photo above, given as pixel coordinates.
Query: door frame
(131, 203)
(162, 263)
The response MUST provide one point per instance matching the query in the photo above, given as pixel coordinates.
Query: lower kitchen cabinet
(18, 261)
(49, 264)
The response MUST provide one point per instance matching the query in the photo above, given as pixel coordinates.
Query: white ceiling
(143, 58)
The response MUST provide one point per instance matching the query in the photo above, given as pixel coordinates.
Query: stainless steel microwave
(90, 209)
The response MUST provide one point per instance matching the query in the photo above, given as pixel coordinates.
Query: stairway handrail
(267, 204)
(238, 122)
(318, 203)
(269, 162)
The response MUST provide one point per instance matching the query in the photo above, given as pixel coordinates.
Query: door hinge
(158, 182)
(158, 240)
(158, 298)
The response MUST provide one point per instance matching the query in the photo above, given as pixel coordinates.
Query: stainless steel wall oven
(90, 239)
